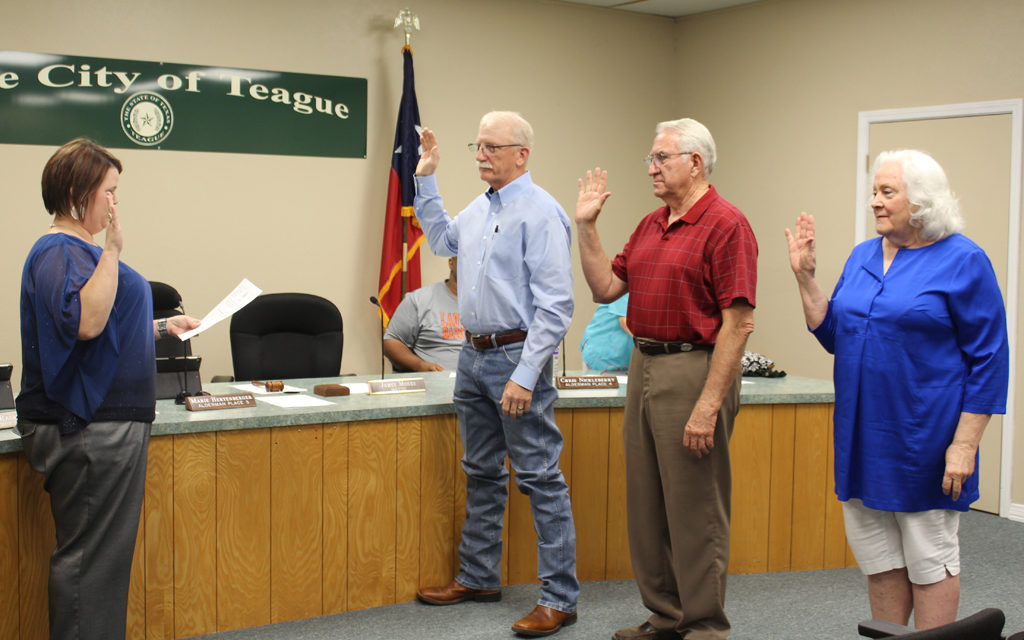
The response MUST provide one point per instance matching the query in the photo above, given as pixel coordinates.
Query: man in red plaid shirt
(690, 268)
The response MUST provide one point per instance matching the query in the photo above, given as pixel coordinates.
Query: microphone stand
(380, 310)
(394, 385)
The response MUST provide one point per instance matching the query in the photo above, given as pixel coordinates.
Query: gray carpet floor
(809, 605)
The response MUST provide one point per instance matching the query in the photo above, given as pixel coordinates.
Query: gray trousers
(677, 506)
(96, 480)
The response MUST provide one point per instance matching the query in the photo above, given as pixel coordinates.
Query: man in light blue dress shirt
(515, 303)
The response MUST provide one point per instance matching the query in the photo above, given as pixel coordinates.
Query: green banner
(49, 99)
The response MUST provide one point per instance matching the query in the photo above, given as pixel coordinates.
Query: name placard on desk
(587, 382)
(396, 385)
(225, 401)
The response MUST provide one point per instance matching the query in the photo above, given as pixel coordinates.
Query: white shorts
(924, 542)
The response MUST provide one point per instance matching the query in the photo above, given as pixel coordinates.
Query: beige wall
(779, 83)
(202, 221)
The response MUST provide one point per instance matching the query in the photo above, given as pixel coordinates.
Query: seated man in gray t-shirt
(425, 333)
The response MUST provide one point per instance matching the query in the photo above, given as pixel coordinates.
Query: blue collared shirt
(515, 270)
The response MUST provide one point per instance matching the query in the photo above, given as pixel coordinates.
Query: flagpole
(409, 22)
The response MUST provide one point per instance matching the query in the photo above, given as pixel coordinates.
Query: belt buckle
(483, 341)
(686, 346)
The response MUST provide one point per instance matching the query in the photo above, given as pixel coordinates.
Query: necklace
(72, 229)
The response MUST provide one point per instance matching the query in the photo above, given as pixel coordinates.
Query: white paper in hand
(243, 294)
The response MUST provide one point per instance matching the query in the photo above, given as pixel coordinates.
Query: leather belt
(657, 347)
(492, 340)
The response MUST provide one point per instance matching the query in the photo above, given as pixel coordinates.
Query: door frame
(1015, 108)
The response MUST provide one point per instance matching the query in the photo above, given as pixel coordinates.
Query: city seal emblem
(146, 118)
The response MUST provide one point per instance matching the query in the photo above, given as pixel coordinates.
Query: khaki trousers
(677, 505)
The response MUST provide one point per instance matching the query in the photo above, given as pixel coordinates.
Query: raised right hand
(592, 196)
(430, 156)
(802, 258)
(113, 240)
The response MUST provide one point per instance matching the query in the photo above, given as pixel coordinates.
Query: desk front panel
(250, 527)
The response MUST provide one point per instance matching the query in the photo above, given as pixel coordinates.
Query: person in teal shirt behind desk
(607, 343)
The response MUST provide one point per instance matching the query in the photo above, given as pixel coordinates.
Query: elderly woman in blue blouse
(918, 329)
(88, 389)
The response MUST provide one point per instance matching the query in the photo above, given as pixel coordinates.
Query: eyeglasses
(659, 158)
(488, 149)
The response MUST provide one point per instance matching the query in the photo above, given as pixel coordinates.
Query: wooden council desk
(260, 515)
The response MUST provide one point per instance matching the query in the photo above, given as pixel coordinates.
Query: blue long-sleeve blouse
(914, 347)
(72, 382)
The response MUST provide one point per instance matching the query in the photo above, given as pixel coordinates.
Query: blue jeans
(532, 444)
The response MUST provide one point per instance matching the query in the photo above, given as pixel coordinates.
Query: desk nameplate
(396, 385)
(587, 382)
(225, 401)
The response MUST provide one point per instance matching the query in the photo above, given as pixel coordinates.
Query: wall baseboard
(1016, 512)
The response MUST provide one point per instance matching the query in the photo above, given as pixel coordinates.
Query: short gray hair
(522, 132)
(693, 136)
(938, 213)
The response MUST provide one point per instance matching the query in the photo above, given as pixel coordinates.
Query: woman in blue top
(88, 389)
(918, 329)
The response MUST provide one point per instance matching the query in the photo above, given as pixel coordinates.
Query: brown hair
(73, 173)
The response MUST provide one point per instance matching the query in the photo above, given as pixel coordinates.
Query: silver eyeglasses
(659, 158)
(488, 149)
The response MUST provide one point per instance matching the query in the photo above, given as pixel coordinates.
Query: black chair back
(280, 336)
(986, 624)
(174, 376)
(167, 303)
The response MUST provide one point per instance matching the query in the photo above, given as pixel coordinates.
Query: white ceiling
(668, 8)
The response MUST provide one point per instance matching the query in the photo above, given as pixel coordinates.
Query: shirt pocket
(505, 262)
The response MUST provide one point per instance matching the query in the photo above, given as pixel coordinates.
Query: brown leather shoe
(454, 593)
(543, 621)
(646, 631)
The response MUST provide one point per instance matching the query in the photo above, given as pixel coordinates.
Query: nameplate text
(224, 401)
(397, 385)
(587, 382)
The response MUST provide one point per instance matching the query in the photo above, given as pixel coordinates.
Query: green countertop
(173, 419)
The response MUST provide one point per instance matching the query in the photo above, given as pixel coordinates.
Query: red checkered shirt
(681, 276)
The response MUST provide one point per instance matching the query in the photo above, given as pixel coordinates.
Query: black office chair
(167, 303)
(6, 395)
(986, 624)
(287, 335)
(177, 370)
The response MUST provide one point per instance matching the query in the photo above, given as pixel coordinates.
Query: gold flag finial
(409, 22)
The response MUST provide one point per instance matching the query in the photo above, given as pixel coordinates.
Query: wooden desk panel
(9, 623)
(243, 528)
(243, 525)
